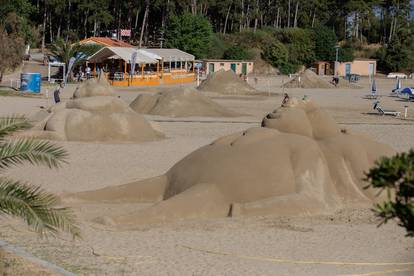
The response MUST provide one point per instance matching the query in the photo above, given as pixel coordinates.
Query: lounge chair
(386, 112)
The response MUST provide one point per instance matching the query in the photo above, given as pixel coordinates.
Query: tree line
(155, 23)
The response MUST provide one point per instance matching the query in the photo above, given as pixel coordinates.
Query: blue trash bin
(30, 82)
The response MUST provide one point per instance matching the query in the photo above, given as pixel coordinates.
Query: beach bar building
(151, 66)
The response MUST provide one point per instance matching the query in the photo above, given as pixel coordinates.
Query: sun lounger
(371, 97)
(388, 112)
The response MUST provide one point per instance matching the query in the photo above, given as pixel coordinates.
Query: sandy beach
(346, 243)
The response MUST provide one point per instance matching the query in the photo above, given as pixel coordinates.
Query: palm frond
(38, 208)
(11, 124)
(36, 152)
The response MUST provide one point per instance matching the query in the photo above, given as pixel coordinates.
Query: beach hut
(151, 66)
(116, 62)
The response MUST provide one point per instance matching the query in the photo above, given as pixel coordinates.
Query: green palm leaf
(36, 152)
(38, 208)
(11, 124)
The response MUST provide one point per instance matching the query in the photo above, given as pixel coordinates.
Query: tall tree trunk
(44, 28)
(85, 23)
(242, 16)
(50, 27)
(95, 26)
(277, 17)
(227, 18)
(256, 13)
(313, 17)
(144, 22)
(295, 22)
(194, 7)
(288, 15)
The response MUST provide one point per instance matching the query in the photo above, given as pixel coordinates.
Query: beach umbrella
(398, 85)
(373, 88)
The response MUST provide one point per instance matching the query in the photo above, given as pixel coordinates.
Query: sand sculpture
(308, 79)
(182, 102)
(94, 87)
(93, 118)
(226, 82)
(299, 163)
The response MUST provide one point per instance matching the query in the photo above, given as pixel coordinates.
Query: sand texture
(181, 102)
(94, 87)
(308, 79)
(299, 162)
(92, 119)
(226, 82)
(302, 246)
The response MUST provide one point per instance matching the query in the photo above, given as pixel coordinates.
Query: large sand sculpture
(94, 118)
(182, 102)
(94, 87)
(299, 162)
(308, 79)
(226, 82)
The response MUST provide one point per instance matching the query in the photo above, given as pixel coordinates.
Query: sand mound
(94, 87)
(94, 119)
(300, 162)
(226, 82)
(308, 79)
(185, 102)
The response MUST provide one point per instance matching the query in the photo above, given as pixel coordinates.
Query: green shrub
(276, 54)
(395, 175)
(190, 33)
(238, 53)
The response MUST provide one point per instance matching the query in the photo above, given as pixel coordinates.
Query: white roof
(123, 53)
(167, 54)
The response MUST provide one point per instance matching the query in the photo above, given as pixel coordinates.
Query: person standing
(56, 93)
(88, 72)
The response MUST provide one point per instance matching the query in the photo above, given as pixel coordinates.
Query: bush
(249, 39)
(325, 41)
(217, 48)
(190, 33)
(395, 175)
(300, 44)
(276, 54)
(238, 53)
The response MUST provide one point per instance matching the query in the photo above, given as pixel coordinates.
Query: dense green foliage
(325, 41)
(238, 53)
(37, 207)
(395, 175)
(12, 45)
(190, 33)
(277, 55)
(309, 29)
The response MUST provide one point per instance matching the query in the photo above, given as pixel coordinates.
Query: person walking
(56, 93)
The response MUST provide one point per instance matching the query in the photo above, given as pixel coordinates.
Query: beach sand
(322, 245)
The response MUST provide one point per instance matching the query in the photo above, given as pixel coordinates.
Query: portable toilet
(30, 82)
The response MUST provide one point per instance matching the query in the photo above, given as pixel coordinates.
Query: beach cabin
(360, 66)
(237, 66)
(150, 67)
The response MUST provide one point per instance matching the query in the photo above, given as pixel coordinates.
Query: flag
(70, 65)
(133, 60)
(125, 32)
